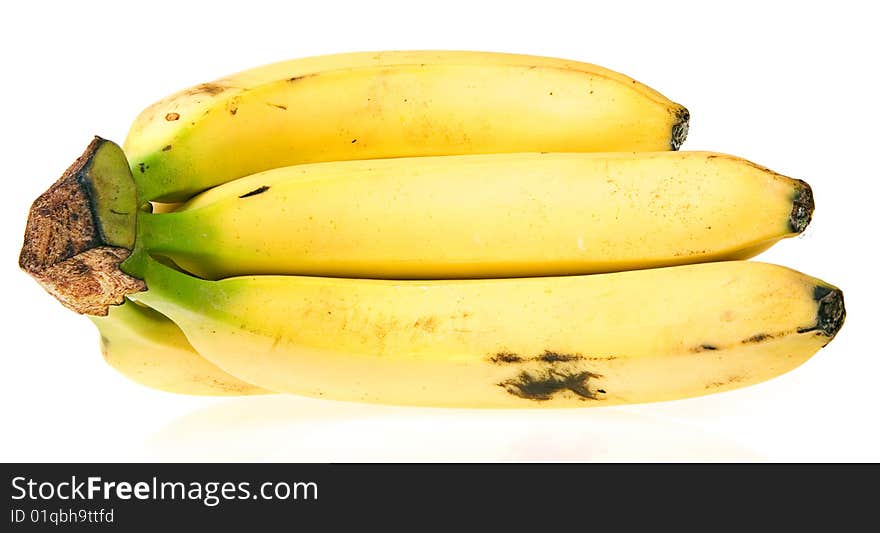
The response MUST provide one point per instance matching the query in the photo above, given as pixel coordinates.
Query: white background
(788, 85)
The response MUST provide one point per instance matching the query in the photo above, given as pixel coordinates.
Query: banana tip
(801, 207)
(680, 127)
(832, 312)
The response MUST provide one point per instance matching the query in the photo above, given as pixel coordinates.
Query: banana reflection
(289, 428)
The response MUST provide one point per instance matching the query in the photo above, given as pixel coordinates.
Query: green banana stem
(161, 234)
(171, 291)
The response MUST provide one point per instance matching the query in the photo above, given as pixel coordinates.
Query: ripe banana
(390, 104)
(150, 349)
(482, 216)
(602, 339)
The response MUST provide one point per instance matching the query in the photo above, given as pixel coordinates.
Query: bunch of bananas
(430, 228)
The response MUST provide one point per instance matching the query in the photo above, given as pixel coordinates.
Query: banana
(482, 216)
(150, 349)
(390, 104)
(604, 339)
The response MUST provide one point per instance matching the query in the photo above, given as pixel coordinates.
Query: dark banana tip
(801, 207)
(831, 313)
(680, 127)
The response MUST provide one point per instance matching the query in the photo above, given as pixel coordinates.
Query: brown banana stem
(65, 248)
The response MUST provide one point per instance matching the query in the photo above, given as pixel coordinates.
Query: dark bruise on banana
(556, 373)
(544, 385)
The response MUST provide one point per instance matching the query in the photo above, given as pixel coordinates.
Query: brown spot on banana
(704, 348)
(505, 357)
(549, 356)
(302, 77)
(428, 323)
(728, 381)
(211, 89)
(544, 385)
(760, 337)
(556, 357)
(258, 190)
(232, 105)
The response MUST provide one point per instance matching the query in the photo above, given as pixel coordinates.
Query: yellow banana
(635, 336)
(150, 349)
(482, 216)
(390, 104)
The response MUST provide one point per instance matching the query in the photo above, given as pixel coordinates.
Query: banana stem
(172, 292)
(81, 229)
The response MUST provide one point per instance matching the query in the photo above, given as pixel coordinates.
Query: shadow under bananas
(289, 428)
